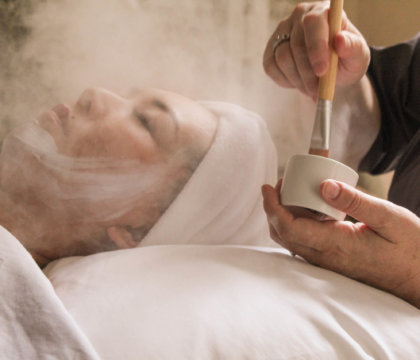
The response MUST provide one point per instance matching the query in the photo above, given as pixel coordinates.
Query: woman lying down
(109, 173)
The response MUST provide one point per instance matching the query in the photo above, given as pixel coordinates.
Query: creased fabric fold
(33, 321)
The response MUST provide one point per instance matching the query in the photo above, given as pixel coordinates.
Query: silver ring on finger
(280, 39)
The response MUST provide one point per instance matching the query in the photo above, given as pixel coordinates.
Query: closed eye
(143, 120)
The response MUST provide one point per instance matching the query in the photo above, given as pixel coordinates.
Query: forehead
(156, 94)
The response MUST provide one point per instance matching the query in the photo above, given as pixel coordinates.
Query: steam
(115, 44)
(207, 50)
(110, 187)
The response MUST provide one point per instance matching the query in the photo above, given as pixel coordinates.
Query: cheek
(89, 145)
(22, 176)
(112, 143)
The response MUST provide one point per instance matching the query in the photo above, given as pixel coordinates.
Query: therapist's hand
(299, 63)
(382, 250)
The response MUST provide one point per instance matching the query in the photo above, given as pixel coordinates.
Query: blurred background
(385, 22)
(50, 50)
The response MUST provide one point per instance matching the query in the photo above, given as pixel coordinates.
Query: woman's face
(148, 126)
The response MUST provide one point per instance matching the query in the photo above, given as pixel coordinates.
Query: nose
(97, 102)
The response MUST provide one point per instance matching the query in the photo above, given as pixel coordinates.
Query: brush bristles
(319, 152)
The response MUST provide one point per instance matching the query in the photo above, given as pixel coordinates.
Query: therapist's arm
(382, 250)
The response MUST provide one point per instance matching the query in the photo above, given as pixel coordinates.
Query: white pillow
(227, 302)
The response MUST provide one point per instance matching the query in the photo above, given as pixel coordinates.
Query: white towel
(33, 322)
(222, 203)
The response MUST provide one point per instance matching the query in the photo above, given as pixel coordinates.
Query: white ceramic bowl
(302, 179)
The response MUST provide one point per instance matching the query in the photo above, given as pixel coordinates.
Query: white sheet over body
(33, 322)
(225, 302)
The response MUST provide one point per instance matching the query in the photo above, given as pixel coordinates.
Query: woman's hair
(171, 190)
(159, 201)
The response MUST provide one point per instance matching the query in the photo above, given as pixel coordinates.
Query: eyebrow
(164, 107)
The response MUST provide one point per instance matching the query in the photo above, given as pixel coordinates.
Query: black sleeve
(395, 76)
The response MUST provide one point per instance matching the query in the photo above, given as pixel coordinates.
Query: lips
(55, 120)
(62, 111)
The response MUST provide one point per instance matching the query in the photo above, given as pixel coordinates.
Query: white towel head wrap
(222, 203)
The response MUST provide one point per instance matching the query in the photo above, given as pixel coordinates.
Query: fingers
(288, 64)
(272, 205)
(277, 61)
(300, 235)
(334, 245)
(355, 250)
(381, 216)
(304, 79)
(316, 32)
(300, 62)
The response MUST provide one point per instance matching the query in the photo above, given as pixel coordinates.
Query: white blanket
(33, 322)
(180, 302)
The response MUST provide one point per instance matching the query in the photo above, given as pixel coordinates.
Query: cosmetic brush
(320, 140)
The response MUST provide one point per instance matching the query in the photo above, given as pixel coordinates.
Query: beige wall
(385, 22)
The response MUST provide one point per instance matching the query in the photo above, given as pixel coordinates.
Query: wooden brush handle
(327, 82)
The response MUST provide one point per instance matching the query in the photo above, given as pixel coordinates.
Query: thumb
(376, 213)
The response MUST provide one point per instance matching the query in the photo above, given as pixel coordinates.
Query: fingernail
(320, 68)
(331, 190)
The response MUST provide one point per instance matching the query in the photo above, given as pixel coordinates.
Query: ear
(121, 237)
